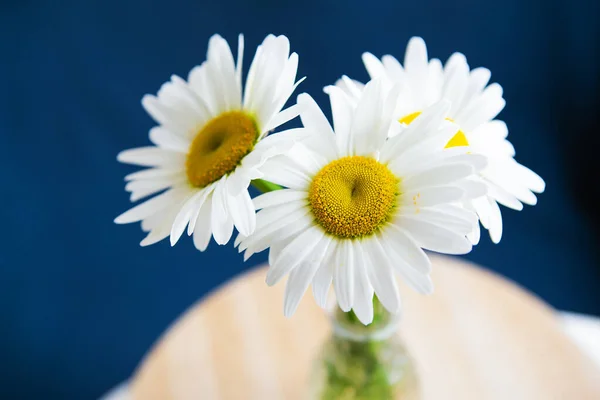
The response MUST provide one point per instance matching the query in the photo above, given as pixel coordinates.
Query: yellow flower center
(457, 140)
(353, 196)
(219, 147)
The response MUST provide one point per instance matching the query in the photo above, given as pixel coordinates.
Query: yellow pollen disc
(457, 140)
(353, 196)
(219, 147)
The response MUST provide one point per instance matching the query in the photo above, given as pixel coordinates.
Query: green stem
(355, 369)
(381, 317)
(265, 186)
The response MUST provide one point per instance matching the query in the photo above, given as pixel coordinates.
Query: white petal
(366, 133)
(529, 178)
(239, 180)
(486, 108)
(416, 67)
(431, 196)
(214, 86)
(434, 237)
(296, 285)
(473, 188)
(197, 82)
(495, 128)
(280, 102)
(283, 230)
(152, 157)
(151, 173)
(312, 117)
(170, 198)
(428, 125)
(202, 225)
(417, 280)
(309, 161)
(415, 59)
(206, 197)
(495, 222)
(221, 222)
(153, 221)
(388, 113)
(478, 79)
(363, 291)
(456, 81)
(352, 88)
(261, 89)
(278, 197)
(380, 274)
(448, 221)
(242, 212)
(276, 249)
(142, 188)
(141, 193)
(283, 171)
(393, 68)
(374, 67)
(249, 90)
(341, 109)
(482, 207)
(324, 276)
(343, 275)
(293, 254)
(179, 103)
(195, 107)
(271, 215)
(219, 55)
(507, 175)
(240, 62)
(268, 148)
(441, 175)
(300, 278)
(283, 117)
(323, 138)
(408, 248)
(465, 213)
(162, 228)
(184, 215)
(420, 159)
(171, 118)
(168, 141)
(286, 80)
(477, 161)
(475, 235)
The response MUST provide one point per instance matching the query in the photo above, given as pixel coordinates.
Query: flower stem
(357, 369)
(265, 186)
(381, 317)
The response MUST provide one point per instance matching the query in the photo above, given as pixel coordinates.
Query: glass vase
(359, 362)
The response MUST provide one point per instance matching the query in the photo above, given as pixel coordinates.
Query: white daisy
(358, 206)
(475, 104)
(210, 143)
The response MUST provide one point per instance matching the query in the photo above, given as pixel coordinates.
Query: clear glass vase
(360, 362)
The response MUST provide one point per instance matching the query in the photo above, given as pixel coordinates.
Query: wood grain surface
(478, 337)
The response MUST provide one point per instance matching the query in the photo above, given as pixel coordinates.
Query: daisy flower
(360, 207)
(209, 144)
(475, 104)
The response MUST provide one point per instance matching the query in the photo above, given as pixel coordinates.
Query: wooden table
(478, 337)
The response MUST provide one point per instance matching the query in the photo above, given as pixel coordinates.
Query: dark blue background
(80, 300)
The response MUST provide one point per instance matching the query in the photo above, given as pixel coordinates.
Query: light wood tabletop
(477, 337)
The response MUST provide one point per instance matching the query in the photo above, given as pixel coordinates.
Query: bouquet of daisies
(414, 160)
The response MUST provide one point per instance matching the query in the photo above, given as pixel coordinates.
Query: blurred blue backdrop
(82, 302)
